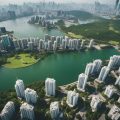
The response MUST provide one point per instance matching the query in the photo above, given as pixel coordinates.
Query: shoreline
(61, 52)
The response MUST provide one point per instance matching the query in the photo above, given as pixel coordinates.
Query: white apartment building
(82, 80)
(54, 109)
(50, 86)
(19, 87)
(30, 96)
(72, 98)
(114, 61)
(27, 111)
(8, 111)
(89, 68)
(103, 74)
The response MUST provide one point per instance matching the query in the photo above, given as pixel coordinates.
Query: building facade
(19, 87)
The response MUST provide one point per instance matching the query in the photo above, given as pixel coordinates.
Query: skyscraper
(72, 98)
(31, 96)
(114, 61)
(91, 43)
(97, 65)
(50, 47)
(27, 111)
(19, 87)
(7, 42)
(82, 44)
(82, 80)
(8, 111)
(55, 46)
(50, 86)
(54, 109)
(89, 68)
(64, 44)
(103, 74)
(41, 45)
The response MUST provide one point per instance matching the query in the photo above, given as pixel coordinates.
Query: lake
(23, 29)
(64, 68)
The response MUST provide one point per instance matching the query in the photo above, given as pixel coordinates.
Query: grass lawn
(72, 35)
(21, 60)
(114, 42)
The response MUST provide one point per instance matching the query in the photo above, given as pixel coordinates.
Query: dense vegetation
(43, 103)
(108, 30)
(101, 29)
(82, 15)
(3, 60)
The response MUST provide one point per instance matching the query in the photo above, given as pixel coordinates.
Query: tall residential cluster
(93, 68)
(26, 110)
(49, 43)
(72, 99)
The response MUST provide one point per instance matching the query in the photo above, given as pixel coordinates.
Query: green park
(20, 60)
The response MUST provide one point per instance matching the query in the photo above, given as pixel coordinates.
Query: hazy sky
(3, 2)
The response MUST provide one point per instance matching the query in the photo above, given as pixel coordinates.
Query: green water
(22, 29)
(65, 68)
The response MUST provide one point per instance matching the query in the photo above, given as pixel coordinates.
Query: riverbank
(22, 60)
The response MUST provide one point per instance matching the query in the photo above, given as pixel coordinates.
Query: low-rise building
(54, 109)
(95, 103)
(109, 91)
(114, 113)
(27, 111)
(30, 96)
(72, 98)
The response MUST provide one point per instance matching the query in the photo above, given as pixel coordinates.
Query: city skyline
(61, 1)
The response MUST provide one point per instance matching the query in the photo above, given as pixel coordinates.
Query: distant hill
(82, 15)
